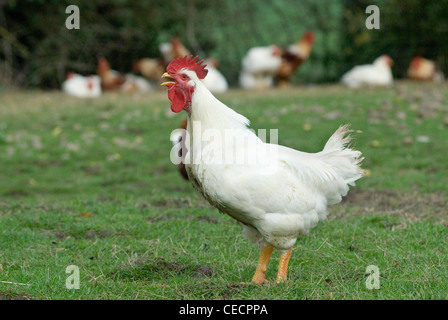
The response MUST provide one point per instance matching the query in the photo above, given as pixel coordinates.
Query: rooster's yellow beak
(168, 83)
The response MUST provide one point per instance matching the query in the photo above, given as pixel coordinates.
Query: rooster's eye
(184, 77)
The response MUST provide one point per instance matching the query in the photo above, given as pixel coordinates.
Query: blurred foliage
(41, 49)
(36, 49)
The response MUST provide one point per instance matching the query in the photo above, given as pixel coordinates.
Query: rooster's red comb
(190, 63)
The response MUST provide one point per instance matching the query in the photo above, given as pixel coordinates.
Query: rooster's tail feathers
(340, 139)
(345, 160)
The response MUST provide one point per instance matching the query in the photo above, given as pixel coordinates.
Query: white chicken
(82, 87)
(276, 193)
(259, 67)
(377, 74)
(215, 81)
(135, 83)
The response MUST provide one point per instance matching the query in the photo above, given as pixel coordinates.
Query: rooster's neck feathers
(212, 113)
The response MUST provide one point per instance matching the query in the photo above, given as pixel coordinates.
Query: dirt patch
(170, 266)
(233, 288)
(108, 199)
(203, 218)
(144, 269)
(199, 271)
(411, 205)
(203, 271)
(16, 193)
(172, 203)
(57, 234)
(159, 171)
(92, 234)
(89, 234)
(208, 219)
(48, 163)
(164, 217)
(15, 296)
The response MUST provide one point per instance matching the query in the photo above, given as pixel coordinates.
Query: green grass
(148, 235)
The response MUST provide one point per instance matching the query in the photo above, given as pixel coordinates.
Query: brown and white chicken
(293, 57)
(110, 79)
(172, 50)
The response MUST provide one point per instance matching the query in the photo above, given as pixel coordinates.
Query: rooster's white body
(377, 74)
(276, 193)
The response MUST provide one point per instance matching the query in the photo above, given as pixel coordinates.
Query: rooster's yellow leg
(260, 273)
(283, 266)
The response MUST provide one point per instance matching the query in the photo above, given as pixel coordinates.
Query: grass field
(89, 183)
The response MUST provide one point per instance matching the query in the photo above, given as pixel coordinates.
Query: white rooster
(276, 193)
(259, 67)
(82, 87)
(376, 74)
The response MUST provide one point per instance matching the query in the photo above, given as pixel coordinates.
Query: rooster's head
(184, 71)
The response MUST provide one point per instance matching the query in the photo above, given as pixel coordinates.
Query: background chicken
(172, 50)
(422, 69)
(293, 57)
(110, 79)
(135, 83)
(276, 193)
(153, 68)
(377, 74)
(150, 68)
(115, 81)
(82, 87)
(215, 80)
(259, 67)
